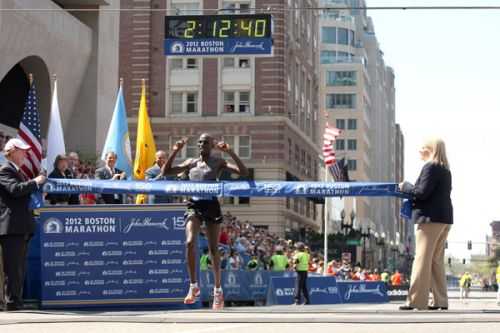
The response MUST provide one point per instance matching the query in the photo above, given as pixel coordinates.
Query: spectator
(154, 174)
(278, 262)
(16, 222)
(205, 263)
(3, 160)
(465, 284)
(234, 261)
(396, 278)
(72, 172)
(253, 264)
(111, 173)
(384, 277)
(60, 171)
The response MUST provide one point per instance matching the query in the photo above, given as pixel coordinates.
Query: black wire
(267, 10)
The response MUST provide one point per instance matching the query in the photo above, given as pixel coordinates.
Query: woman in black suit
(60, 171)
(433, 215)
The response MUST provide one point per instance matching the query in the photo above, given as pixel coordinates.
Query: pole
(325, 230)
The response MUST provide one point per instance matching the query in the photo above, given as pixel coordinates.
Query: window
(340, 123)
(236, 7)
(183, 63)
(297, 157)
(176, 102)
(352, 165)
(340, 144)
(290, 150)
(183, 102)
(236, 101)
(352, 124)
(352, 144)
(343, 36)
(192, 102)
(186, 8)
(328, 57)
(340, 78)
(329, 35)
(190, 150)
(236, 62)
(340, 101)
(240, 145)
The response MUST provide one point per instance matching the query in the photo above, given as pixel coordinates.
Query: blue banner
(322, 290)
(225, 188)
(218, 46)
(112, 256)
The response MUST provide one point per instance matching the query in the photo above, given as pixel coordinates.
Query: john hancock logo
(146, 222)
(53, 226)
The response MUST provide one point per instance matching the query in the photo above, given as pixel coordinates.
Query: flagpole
(325, 229)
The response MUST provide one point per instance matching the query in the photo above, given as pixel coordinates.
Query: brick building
(266, 108)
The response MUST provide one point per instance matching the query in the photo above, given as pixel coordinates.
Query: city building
(357, 94)
(493, 242)
(80, 47)
(265, 107)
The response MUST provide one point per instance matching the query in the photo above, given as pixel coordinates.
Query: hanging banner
(225, 188)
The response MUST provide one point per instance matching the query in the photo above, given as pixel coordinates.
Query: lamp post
(380, 240)
(364, 236)
(394, 249)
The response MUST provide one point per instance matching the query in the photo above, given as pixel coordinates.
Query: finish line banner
(225, 188)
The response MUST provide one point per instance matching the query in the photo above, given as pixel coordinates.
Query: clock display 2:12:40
(227, 28)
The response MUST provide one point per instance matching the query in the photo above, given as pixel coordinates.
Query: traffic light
(463, 261)
(469, 245)
(449, 261)
(446, 245)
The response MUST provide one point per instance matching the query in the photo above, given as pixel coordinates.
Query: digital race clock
(205, 35)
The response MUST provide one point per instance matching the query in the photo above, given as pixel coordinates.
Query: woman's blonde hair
(438, 151)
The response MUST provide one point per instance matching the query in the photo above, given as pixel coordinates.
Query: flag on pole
(145, 145)
(55, 140)
(29, 132)
(336, 167)
(117, 139)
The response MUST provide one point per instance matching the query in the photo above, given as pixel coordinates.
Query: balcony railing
(342, 82)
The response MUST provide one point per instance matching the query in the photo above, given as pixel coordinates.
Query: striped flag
(29, 132)
(336, 168)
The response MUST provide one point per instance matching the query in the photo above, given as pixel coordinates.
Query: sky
(447, 67)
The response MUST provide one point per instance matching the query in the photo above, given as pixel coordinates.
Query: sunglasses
(203, 141)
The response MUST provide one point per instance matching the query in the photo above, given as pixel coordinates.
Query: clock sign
(212, 35)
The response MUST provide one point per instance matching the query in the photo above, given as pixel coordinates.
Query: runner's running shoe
(218, 301)
(192, 294)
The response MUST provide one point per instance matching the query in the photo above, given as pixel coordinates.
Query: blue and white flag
(117, 139)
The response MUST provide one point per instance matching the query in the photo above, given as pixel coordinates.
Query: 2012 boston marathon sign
(213, 35)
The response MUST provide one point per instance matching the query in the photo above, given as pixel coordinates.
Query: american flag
(336, 168)
(29, 132)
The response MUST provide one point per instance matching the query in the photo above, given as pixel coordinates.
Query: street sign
(356, 242)
(214, 35)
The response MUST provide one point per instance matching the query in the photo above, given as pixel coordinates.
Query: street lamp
(346, 227)
(364, 236)
(394, 249)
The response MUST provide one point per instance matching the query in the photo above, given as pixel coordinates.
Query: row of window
(334, 57)
(340, 78)
(193, 63)
(334, 35)
(340, 101)
(352, 144)
(240, 144)
(229, 7)
(352, 124)
(186, 102)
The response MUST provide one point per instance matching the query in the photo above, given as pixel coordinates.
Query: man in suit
(154, 174)
(16, 221)
(110, 172)
(72, 172)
